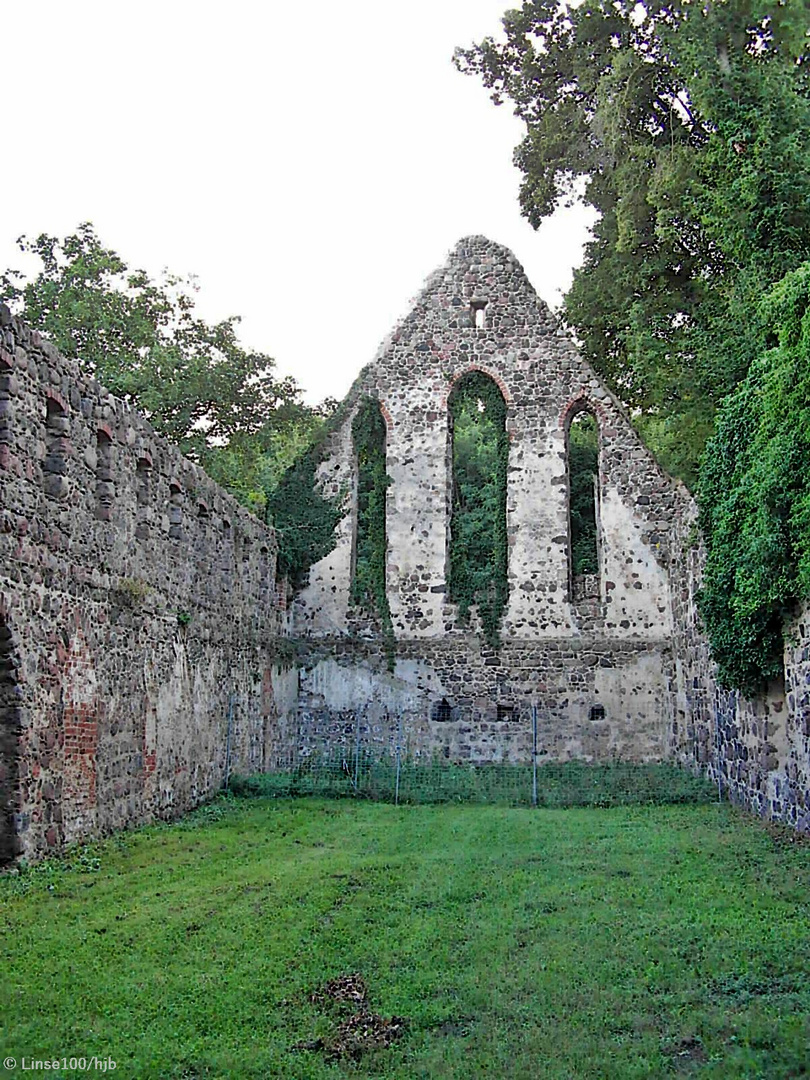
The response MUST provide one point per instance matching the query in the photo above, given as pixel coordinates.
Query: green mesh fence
(572, 783)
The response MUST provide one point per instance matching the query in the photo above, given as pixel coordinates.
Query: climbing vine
(304, 520)
(754, 496)
(368, 583)
(478, 542)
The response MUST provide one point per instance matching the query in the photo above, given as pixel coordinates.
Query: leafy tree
(219, 402)
(754, 497)
(684, 125)
(478, 543)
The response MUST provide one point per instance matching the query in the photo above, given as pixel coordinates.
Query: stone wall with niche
(138, 614)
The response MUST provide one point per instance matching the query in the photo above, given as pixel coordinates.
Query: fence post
(534, 755)
(399, 757)
(356, 750)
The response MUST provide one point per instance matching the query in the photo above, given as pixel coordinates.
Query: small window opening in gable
(441, 711)
(202, 510)
(175, 511)
(478, 313)
(507, 712)
(55, 466)
(105, 486)
(596, 712)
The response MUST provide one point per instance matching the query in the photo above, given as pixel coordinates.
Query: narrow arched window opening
(583, 480)
(57, 433)
(9, 746)
(6, 395)
(105, 485)
(175, 512)
(370, 540)
(478, 554)
(227, 553)
(143, 497)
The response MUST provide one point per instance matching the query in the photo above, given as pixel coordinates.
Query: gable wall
(561, 655)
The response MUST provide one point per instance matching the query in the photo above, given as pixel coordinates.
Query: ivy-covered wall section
(478, 542)
(303, 518)
(754, 497)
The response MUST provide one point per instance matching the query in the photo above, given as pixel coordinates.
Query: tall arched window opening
(583, 481)
(478, 554)
(370, 540)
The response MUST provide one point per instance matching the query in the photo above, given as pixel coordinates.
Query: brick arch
(582, 402)
(386, 415)
(496, 378)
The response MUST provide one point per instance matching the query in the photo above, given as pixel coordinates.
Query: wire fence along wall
(357, 768)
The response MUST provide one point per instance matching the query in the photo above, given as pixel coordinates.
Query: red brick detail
(54, 395)
(582, 403)
(6, 359)
(507, 397)
(80, 728)
(107, 430)
(268, 698)
(386, 415)
(281, 594)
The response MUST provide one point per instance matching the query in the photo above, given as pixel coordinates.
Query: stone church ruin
(147, 648)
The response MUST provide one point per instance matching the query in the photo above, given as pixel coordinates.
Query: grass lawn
(557, 944)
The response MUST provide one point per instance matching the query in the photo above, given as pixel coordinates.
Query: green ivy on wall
(478, 543)
(303, 518)
(368, 582)
(754, 497)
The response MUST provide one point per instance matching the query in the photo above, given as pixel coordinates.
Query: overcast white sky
(310, 162)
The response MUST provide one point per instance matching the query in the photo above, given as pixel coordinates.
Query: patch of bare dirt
(359, 1033)
(350, 988)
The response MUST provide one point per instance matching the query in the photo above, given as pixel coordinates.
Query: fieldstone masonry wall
(758, 751)
(597, 660)
(138, 614)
